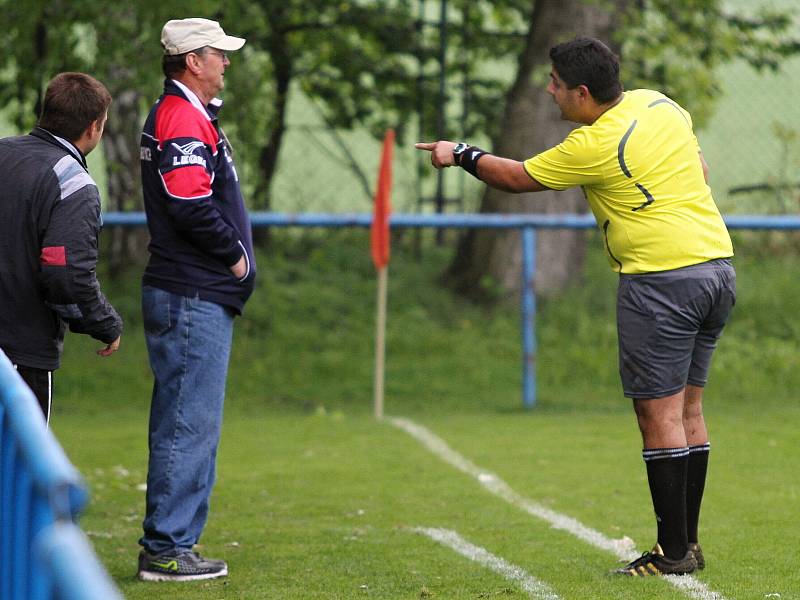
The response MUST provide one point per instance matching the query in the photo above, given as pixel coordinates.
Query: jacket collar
(174, 87)
(52, 138)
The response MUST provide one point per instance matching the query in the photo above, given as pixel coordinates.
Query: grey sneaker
(184, 566)
(698, 555)
(655, 563)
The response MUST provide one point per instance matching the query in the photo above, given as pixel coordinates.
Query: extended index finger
(429, 146)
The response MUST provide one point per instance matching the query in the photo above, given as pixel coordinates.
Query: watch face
(460, 147)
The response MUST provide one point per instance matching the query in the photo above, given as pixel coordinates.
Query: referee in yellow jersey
(643, 174)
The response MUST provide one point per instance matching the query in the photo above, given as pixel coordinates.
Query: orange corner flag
(379, 231)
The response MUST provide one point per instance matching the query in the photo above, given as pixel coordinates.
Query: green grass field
(315, 499)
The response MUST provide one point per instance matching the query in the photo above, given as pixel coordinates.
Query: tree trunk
(268, 155)
(121, 151)
(488, 261)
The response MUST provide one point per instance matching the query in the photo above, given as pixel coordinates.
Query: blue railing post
(39, 491)
(56, 548)
(20, 530)
(8, 453)
(528, 305)
(38, 577)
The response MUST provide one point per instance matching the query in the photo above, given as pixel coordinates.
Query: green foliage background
(319, 81)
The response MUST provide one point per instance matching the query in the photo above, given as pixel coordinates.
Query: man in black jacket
(49, 223)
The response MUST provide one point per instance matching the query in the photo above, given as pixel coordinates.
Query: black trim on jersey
(621, 150)
(672, 104)
(647, 195)
(626, 171)
(608, 246)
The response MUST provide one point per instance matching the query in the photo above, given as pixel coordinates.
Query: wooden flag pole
(380, 340)
(380, 250)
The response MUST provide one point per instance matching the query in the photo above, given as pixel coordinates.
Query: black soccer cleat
(184, 566)
(698, 555)
(654, 563)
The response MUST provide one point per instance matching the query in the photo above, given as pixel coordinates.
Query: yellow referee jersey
(640, 170)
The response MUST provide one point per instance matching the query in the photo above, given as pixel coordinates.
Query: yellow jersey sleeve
(571, 163)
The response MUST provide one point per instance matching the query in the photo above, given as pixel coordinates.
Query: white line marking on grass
(693, 587)
(623, 549)
(535, 588)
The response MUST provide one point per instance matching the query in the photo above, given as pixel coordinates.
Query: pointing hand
(441, 152)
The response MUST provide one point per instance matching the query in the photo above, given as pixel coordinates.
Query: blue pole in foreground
(528, 318)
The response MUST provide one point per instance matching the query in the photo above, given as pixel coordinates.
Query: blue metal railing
(528, 223)
(64, 545)
(41, 494)
(463, 221)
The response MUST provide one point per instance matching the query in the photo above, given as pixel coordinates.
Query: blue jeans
(189, 343)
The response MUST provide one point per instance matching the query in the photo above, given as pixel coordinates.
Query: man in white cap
(200, 273)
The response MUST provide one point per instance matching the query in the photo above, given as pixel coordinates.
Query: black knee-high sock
(695, 484)
(666, 473)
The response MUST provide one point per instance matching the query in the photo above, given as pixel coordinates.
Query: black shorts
(668, 325)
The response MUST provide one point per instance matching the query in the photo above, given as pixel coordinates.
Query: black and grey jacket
(49, 223)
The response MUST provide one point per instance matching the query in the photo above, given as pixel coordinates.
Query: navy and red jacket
(198, 223)
(49, 224)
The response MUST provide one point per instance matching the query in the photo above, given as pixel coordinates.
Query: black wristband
(469, 160)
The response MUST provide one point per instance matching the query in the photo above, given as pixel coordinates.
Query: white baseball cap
(184, 35)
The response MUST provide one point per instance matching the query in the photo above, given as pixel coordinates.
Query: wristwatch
(458, 150)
